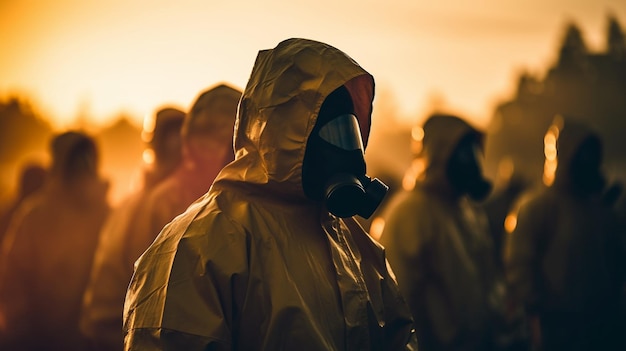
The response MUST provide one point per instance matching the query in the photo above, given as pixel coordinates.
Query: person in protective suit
(103, 301)
(271, 257)
(565, 258)
(207, 146)
(50, 248)
(437, 240)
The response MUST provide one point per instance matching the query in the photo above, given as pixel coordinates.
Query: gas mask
(334, 168)
(465, 169)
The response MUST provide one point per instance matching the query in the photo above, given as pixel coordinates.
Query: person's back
(437, 241)
(256, 263)
(101, 315)
(565, 261)
(50, 250)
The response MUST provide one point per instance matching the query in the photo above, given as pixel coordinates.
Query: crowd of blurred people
(548, 276)
(245, 217)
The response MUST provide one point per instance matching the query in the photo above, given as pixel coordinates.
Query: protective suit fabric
(46, 262)
(166, 201)
(440, 249)
(565, 258)
(256, 265)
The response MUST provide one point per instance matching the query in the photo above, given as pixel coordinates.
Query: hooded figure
(49, 250)
(437, 241)
(565, 259)
(103, 302)
(259, 264)
(207, 146)
(165, 143)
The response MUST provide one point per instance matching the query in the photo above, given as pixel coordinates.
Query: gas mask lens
(343, 132)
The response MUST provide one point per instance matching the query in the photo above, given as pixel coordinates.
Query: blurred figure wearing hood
(103, 302)
(438, 241)
(207, 146)
(49, 250)
(271, 257)
(565, 258)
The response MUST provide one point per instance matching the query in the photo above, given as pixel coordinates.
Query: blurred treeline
(580, 83)
(25, 135)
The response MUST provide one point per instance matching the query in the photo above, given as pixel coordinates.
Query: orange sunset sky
(102, 58)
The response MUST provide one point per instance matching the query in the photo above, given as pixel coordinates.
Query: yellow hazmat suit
(256, 265)
(438, 245)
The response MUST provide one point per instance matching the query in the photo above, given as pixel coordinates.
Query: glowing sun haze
(102, 58)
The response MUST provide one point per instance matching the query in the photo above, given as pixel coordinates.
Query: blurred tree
(24, 136)
(588, 85)
(616, 42)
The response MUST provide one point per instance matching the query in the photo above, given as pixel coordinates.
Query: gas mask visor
(343, 132)
(350, 193)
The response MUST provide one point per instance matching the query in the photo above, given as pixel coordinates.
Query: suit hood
(279, 108)
(562, 141)
(439, 137)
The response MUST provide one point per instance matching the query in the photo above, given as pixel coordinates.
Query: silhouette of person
(49, 250)
(32, 179)
(271, 257)
(437, 241)
(103, 302)
(207, 146)
(165, 141)
(565, 259)
(497, 207)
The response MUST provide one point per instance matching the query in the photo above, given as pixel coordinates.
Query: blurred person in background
(164, 145)
(271, 258)
(49, 250)
(32, 178)
(437, 239)
(207, 146)
(103, 303)
(497, 207)
(565, 258)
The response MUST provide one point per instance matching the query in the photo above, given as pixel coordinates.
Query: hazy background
(104, 65)
(103, 57)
